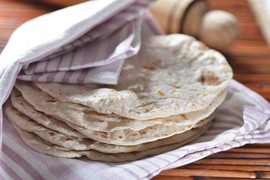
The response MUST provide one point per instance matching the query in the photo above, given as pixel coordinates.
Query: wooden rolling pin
(217, 29)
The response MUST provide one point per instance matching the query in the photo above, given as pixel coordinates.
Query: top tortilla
(172, 74)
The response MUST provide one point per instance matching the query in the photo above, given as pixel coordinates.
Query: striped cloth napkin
(88, 43)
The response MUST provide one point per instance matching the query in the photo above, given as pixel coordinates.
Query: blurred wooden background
(250, 59)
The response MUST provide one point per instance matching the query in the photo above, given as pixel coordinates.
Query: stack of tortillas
(165, 98)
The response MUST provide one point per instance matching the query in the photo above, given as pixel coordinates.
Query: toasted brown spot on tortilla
(69, 139)
(150, 68)
(87, 112)
(51, 133)
(209, 79)
(157, 62)
(183, 116)
(161, 93)
(190, 97)
(19, 114)
(101, 100)
(104, 136)
(169, 73)
(13, 108)
(51, 100)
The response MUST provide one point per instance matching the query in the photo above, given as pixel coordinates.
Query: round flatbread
(171, 75)
(48, 121)
(123, 138)
(42, 146)
(83, 116)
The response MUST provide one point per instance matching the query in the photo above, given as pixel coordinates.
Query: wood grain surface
(250, 59)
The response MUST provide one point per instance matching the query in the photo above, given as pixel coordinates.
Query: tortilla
(83, 116)
(124, 138)
(27, 124)
(42, 146)
(171, 75)
(130, 138)
(48, 121)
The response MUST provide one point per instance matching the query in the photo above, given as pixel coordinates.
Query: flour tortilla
(83, 116)
(171, 75)
(45, 147)
(129, 137)
(125, 137)
(119, 137)
(27, 124)
(24, 107)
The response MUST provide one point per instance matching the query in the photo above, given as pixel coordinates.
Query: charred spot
(31, 120)
(101, 100)
(51, 101)
(150, 68)
(183, 116)
(169, 73)
(104, 136)
(43, 118)
(143, 133)
(157, 62)
(20, 114)
(160, 93)
(209, 78)
(51, 133)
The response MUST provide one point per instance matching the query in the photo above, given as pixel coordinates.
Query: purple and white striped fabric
(243, 118)
(113, 40)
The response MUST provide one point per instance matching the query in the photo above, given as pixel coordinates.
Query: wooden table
(250, 59)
